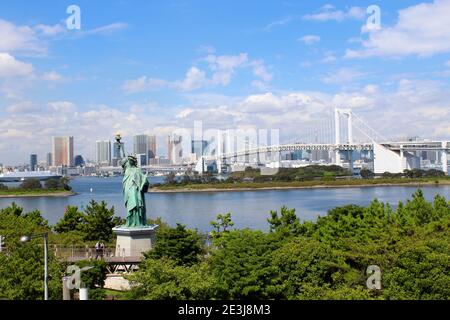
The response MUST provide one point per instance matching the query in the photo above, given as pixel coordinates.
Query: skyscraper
(103, 152)
(145, 144)
(174, 149)
(33, 162)
(49, 159)
(198, 147)
(116, 153)
(151, 147)
(62, 151)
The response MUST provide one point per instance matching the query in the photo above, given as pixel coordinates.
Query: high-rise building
(174, 149)
(33, 162)
(151, 147)
(145, 144)
(49, 159)
(103, 152)
(62, 151)
(141, 159)
(199, 147)
(117, 153)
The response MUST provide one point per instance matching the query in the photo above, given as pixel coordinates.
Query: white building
(103, 152)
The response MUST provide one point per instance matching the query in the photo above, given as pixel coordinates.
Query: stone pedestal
(133, 242)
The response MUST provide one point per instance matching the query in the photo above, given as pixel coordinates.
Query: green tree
(13, 209)
(71, 221)
(94, 277)
(287, 222)
(179, 244)
(36, 217)
(170, 178)
(165, 279)
(366, 174)
(99, 221)
(22, 264)
(31, 184)
(242, 266)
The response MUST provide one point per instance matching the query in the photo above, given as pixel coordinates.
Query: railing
(81, 252)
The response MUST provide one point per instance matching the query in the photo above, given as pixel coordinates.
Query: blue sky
(152, 66)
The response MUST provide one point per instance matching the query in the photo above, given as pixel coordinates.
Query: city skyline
(276, 67)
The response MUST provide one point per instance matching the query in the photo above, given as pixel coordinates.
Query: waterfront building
(151, 152)
(145, 144)
(174, 149)
(141, 159)
(33, 162)
(103, 152)
(49, 160)
(198, 147)
(117, 153)
(62, 151)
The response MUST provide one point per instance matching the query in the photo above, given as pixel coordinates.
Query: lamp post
(28, 238)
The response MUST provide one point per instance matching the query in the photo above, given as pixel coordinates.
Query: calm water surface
(196, 210)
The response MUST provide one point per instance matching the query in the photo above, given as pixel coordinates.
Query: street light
(27, 238)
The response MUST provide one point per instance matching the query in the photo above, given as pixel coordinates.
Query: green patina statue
(135, 185)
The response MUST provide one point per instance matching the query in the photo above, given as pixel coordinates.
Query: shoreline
(280, 188)
(36, 195)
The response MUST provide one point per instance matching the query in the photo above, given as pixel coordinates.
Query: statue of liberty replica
(135, 236)
(135, 185)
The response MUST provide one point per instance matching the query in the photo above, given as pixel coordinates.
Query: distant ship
(21, 176)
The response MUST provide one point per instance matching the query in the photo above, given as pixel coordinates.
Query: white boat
(25, 175)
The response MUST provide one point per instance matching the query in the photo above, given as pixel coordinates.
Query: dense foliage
(22, 264)
(326, 259)
(94, 224)
(34, 185)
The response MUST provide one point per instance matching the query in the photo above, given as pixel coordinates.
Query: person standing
(102, 249)
(97, 250)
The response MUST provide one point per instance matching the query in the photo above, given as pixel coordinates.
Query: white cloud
(107, 29)
(50, 31)
(260, 70)
(22, 107)
(143, 84)
(277, 23)
(328, 13)
(328, 58)
(342, 75)
(61, 106)
(52, 76)
(10, 67)
(194, 79)
(422, 30)
(309, 39)
(222, 68)
(19, 39)
(408, 107)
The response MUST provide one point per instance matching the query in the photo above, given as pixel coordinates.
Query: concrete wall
(385, 160)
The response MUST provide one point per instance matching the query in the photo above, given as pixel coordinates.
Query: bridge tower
(337, 127)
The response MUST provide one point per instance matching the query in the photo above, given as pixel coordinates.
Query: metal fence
(81, 252)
